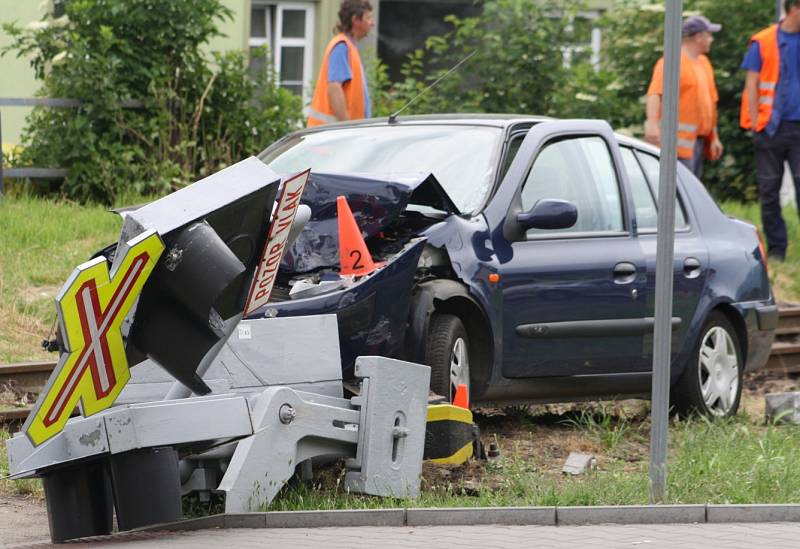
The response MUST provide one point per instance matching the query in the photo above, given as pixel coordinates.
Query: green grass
(730, 461)
(41, 242)
(603, 426)
(735, 462)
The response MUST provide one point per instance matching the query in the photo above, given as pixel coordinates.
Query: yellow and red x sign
(92, 306)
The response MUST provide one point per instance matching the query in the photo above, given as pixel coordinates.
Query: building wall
(16, 75)
(235, 29)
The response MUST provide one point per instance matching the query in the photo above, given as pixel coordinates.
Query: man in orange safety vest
(697, 105)
(341, 92)
(771, 110)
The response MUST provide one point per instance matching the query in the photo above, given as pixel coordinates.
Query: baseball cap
(698, 23)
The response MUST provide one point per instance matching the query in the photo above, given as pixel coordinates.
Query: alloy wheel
(718, 371)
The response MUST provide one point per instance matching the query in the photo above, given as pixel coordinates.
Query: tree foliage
(519, 68)
(200, 114)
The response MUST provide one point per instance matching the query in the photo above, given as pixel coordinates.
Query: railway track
(30, 377)
(785, 355)
(21, 378)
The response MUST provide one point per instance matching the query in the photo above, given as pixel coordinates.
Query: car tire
(447, 353)
(711, 384)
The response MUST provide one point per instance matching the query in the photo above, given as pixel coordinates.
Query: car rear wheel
(447, 354)
(711, 384)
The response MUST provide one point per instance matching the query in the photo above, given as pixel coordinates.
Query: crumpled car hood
(375, 201)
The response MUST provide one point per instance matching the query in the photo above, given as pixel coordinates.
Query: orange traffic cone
(462, 397)
(354, 256)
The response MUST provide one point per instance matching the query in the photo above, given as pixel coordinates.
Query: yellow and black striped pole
(450, 434)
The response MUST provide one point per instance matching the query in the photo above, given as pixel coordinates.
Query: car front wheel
(447, 354)
(711, 384)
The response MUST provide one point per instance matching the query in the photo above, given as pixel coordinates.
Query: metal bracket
(383, 430)
(391, 440)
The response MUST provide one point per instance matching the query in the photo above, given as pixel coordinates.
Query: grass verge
(41, 242)
(738, 461)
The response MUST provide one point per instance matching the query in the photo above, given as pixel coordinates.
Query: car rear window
(651, 169)
(462, 158)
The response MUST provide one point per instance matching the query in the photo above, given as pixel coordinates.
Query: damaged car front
(406, 190)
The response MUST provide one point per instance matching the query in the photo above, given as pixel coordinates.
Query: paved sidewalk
(650, 536)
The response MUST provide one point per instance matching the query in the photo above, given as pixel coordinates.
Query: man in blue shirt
(771, 108)
(341, 92)
(340, 71)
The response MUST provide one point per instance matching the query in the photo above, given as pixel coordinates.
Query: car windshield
(460, 157)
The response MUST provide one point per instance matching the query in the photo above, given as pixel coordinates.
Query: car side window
(651, 169)
(646, 213)
(581, 171)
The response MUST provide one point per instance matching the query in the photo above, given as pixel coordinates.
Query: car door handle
(691, 267)
(624, 273)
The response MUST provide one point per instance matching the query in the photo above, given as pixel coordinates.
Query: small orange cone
(462, 397)
(354, 256)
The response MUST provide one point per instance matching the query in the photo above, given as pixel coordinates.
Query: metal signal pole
(665, 252)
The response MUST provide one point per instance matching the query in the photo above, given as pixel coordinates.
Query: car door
(691, 256)
(573, 299)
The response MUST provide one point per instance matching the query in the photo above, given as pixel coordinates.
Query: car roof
(468, 119)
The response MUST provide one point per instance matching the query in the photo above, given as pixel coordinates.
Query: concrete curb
(631, 514)
(461, 516)
(200, 523)
(346, 517)
(518, 516)
(753, 513)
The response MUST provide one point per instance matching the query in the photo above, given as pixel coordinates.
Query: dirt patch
(757, 385)
(29, 294)
(22, 520)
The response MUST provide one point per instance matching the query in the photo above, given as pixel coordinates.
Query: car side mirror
(549, 213)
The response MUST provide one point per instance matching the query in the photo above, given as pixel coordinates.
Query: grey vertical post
(664, 252)
(778, 10)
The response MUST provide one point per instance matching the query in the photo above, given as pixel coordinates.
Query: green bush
(517, 68)
(200, 114)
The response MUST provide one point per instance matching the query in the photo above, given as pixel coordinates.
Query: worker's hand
(652, 133)
(716, 149)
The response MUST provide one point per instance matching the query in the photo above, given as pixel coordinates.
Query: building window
(287, 30)
(585, 43)
(59, 8)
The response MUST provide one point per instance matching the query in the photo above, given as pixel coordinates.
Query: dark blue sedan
(519, 258)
